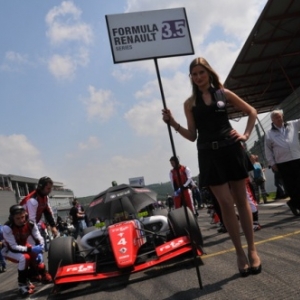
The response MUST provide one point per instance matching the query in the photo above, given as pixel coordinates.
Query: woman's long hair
(213, 76)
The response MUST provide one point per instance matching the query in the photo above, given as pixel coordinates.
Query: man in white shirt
(282, 151)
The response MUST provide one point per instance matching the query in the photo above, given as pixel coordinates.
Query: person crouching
(16, 248)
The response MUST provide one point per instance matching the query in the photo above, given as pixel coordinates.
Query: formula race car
(133, 236)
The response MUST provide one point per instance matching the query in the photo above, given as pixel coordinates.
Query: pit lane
(278, 244)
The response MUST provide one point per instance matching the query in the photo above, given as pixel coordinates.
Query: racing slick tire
(57, 257)
(179, 225)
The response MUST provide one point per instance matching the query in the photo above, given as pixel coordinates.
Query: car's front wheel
(179, 225)
(61, 253)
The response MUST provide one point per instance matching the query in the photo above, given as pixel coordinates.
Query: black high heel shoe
(256, 270)
(245, 272)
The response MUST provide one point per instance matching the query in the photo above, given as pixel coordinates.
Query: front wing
(87, 271)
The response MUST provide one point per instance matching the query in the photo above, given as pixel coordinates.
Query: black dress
(226, 162)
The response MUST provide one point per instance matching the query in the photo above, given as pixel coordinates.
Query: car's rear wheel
(179, 225)
(61, 253)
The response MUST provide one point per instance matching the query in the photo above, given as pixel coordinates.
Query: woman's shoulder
(189, 99)
(189, 102)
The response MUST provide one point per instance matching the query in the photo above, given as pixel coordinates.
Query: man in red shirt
(181, 184)
(37, 204)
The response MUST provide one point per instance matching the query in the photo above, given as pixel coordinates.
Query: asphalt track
(278, 243)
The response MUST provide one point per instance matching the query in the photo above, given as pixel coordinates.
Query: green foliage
(161, 189)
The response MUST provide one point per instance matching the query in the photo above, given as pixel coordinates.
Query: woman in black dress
(222, 160)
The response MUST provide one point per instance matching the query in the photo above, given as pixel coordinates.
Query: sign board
(137, 181)
(149, 34)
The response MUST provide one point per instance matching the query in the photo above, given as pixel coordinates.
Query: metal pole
(178, 175)
(260, 144)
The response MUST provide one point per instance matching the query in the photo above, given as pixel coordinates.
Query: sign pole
(164, 105)
(194, 247)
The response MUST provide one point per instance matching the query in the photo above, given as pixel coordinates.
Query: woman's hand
(168, 117)
(189, 133)
(237, 136)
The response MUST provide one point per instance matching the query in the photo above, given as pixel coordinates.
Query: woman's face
(200, 76)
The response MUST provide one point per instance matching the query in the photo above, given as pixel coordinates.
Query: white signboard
(149, 34)
(137, 181)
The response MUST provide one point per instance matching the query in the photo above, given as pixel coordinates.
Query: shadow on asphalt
(281, 223)
(196, 293)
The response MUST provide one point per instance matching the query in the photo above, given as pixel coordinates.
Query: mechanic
(37, 204)
(181, 186)
(16, 248)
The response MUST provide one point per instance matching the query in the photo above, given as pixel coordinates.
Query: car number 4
(122, 241)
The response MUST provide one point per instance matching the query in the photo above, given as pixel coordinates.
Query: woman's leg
(226, 202)
(238, 190)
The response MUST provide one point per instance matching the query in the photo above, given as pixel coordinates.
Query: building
(14, 188)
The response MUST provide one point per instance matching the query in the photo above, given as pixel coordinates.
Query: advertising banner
(149, 34)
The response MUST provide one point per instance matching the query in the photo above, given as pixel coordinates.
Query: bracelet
(177, 129)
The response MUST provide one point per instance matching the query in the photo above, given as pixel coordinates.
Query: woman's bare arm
(189, 133)
(247, 109)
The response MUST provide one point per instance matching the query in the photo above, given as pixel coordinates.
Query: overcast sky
(68, 112)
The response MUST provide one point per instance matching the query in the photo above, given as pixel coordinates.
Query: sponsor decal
(119, 194)
(80, 269)
(100, 200)
(120, 229)
(124, 256)
(172, 245)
